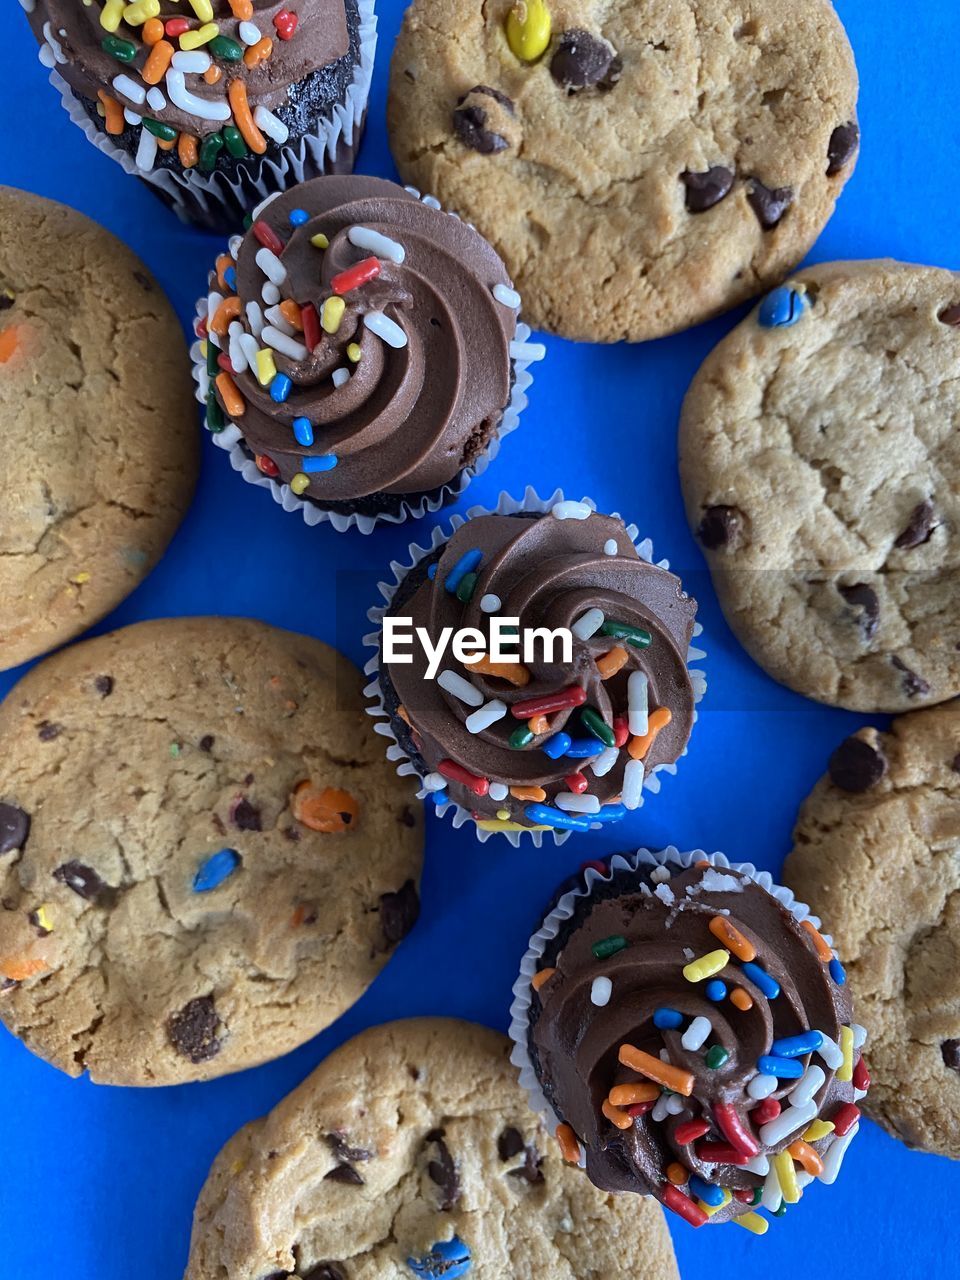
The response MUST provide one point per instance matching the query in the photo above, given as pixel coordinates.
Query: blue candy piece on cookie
(445, 1261)
(217, 868)
(782, 308)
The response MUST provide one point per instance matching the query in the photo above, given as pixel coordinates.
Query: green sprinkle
(212, 352)
(716, 1056)
(225, 48)
(215, 423)
(594, 723)
(247, 222)
(778, 1213)
(122, 50)
(757, 1196)
(608, 947)
(160, 130)
(468, 584)
(622, 631)
(234, 140)
(521, 737)
(210, 148)
(175, 750)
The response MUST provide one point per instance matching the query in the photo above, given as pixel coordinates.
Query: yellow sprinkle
(503, 815)
(110, 15)
(300, 483)
(787, 1177)
(266, 369)
(203, 9)
(320, 241)
(238, 1166)
(353, 352)
(331, 313)
(202, 35)
(819, 1129)
(528, 29)
(711, 1209)
(845, 1072)
(495, 824)
(753, 1222)
(43, 918)
(203, 348)
(81, 579)
(706, 966)
(136, 14)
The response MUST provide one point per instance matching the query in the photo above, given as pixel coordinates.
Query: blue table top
(99, 1183)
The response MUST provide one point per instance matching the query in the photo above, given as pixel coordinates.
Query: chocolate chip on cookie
(345, 1173)
(950, 315)
(530, 1171)
(509, 1144)
(769, 203)
(14, 827)
(951, 1054)
(443, 1172)
(720, 527)
(193, 1030)
(919, 527)
(914, 684)
(704, 190)
(856, 766)
(399, 912)
(245, 816)
(866, 600)
(472, 119)
(582, 61)
(84, 881)
(844, 143)
(104, 686)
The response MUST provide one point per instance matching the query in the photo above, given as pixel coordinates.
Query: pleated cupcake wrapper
(376, 706)
(197, 196)
(643, 860)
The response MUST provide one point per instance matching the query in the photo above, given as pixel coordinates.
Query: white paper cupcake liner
(215, 197)
(376, 707)
(565, 908)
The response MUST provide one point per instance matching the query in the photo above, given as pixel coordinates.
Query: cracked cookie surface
(877, 853)
(204, 857)
(98, 419)
(410, 1135)
(820, 464)
(659, 162)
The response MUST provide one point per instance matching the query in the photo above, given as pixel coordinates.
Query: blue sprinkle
(303, 431)
(230, 278)
(707, 1192)
(298, 217)
(760, 978)
(217, 868)
(466, 564)
(716, 991)
(782, 1068)
(325, 462)
(782, 308)
(545, 815)
(609, 813)
(667, 1019)
(448, 1259)
(837, 972)
(432, 571)
(798, 1046)
(584, 748)
(439, 797)
(557, 746)
(280, 388)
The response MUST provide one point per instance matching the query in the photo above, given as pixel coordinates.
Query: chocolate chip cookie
(204, 859)
(99, 433)
(640, 165)
(877, 852)
(411, 1152)
(820, 462)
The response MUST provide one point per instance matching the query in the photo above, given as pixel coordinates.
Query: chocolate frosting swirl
(548, 572)
(408, 419)
(320, 37)
(575, 1043)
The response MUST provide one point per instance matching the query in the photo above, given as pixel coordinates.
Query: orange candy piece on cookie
(329, 809)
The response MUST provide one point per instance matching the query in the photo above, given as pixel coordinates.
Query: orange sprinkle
(616, 1116)
(677, 1174)
(152, 31)
(569, 1146)
(514, 672)
(540, 978)
(629, 1095)
(9, 342)
(113, 113)
(187, 150)
(612, 662)
(233, 401)
(404, 716)
(242, 9)
(298, 917)
(228, 310)
(291, 313)
(212, 73)
(741, 999)
(157, 64)
(237, 93)
(330, 811)
(537, 794)
(732, 939)
(258, 53)
(19, 968)
(805, 1155)
(538, 725)
(702, 864)
(640, 745)
(823, 951)
(647, 1065)
(166, 144)
(224, 262)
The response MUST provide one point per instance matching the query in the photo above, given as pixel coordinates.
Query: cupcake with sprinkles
(686, 1030)
(215, 103)
(569, 739)
(359, 352)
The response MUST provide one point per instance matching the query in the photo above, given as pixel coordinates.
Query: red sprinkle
(621, 730)
(176, 26)
(640, 1108)
(720, 1153)
(734, 1129)
(573, 696)
(744, 1195)
(457, 773)
(765, 1111)
(267, 466)
(312, 333)
(359, 274)
(844, 1118)
(286, 24)
(200, 328)
(224, 362)
(690, 1131)
(674, 1199)
(577, 782)
(861, 1076)
(595, 866)
(267, 237)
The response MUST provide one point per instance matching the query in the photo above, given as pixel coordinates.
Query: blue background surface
(99, 1183)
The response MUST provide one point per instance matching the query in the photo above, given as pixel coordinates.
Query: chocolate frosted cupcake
(359, 352)
(553, 743)
(213, 102)
(687, 1030)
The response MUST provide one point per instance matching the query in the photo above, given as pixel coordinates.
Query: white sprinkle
(859, 1093)
(830, 1052)
(270, 265)
(509, 297)
(498, 791)
(264, 203)
(660, 875)
(571, 511)
(601, 991)
(637, 703)
(235, 244)
(279, 320)
(859, 1035)
(610, 547)
(460, 688)
(250, 348)
(386, 329)
(249, 33)
(237, 355)
(155, 99)
(675, 1104)
(131, 117)
(130, 89)
(270, 293)
(807, 1085)
(604, 762)
(833, 1158)
(47, 57)
(588, 624)
(632, 791)
(434, 782)
(193, 61)
(280, 342)
(788, 1121)
(688, 953)
(28, 5)
(760, 1165)
(527, 351)
(695, 1036)
(570, 802)
(489, 714)
(665, 894)
(660, 1112)
(382, 246)
(431, 202)
(214, 300)
(271, 125)
(490, 603)
(772, 1195)
(340, 376)
(803, 1179)
(761, 1087)
(203, 107)
(146, 151)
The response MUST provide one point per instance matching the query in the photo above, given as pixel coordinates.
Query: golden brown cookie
(99, 427)
(640, 165)
(877, 853)
(204, 859)
(411, 1152)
